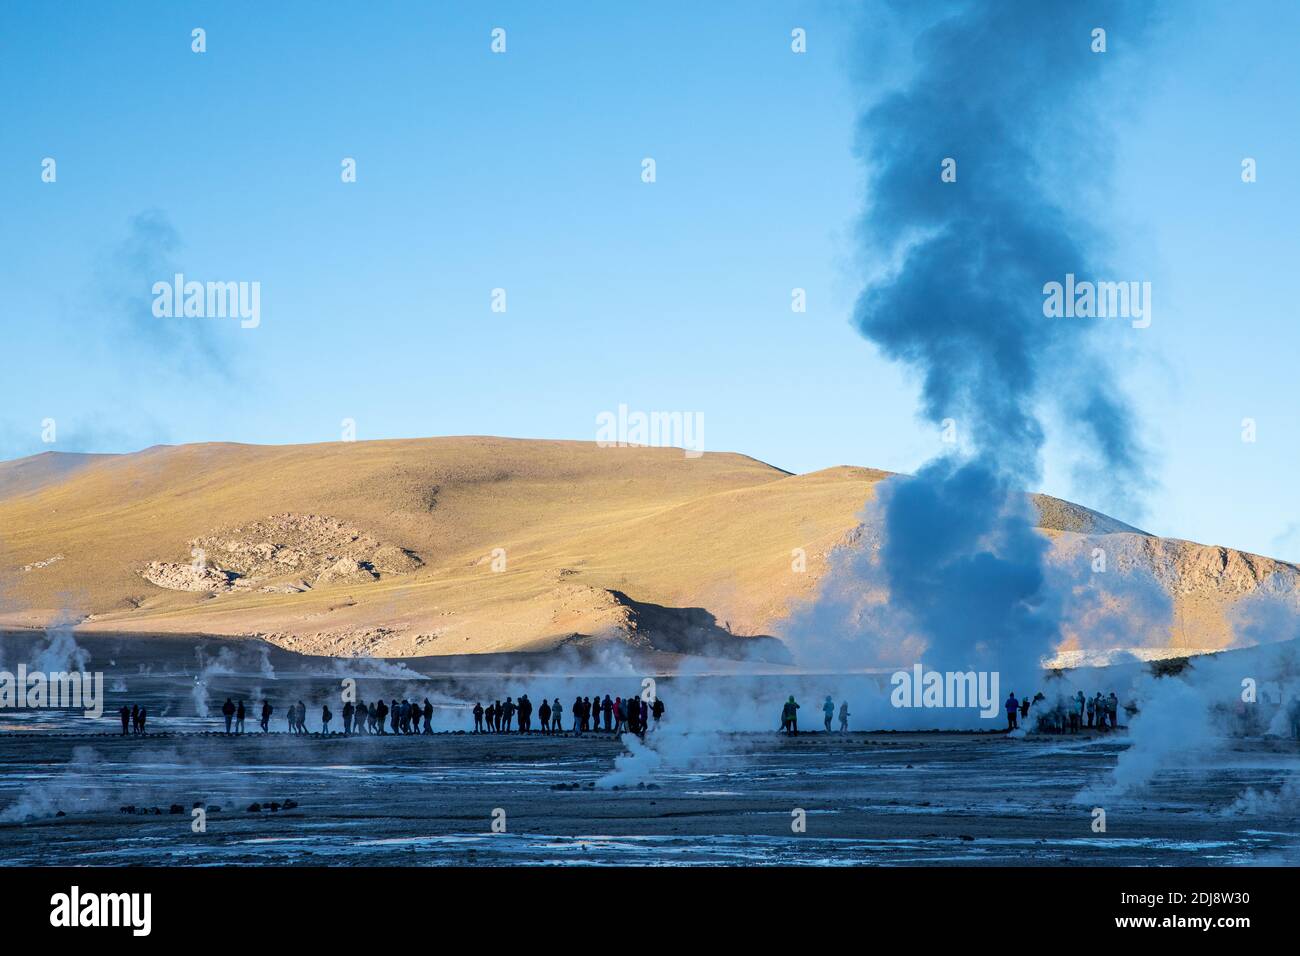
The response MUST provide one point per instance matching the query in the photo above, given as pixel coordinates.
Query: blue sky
(523, 171)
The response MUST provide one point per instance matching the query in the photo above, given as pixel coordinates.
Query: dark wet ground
(705, 798)
(887, 799)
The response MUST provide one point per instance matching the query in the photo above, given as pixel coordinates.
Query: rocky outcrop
(285, 553)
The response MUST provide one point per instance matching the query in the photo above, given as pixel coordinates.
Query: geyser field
(715, 784)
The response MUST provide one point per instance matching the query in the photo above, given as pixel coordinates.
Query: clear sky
(523, 171)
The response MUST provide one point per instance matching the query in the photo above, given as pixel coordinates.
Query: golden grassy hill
(447, 545)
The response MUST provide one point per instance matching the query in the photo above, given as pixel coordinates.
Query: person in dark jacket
(325, 717)
(125, 714)
(577, 715)
(790, 717)
(544, 715)
(266, 716)
(607, 707)
(228, 711)
(428, 716)
(657, 710)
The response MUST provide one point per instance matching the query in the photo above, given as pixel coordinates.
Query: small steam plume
(227, 661)
(91, 783)
(79, 787)
(60, 652)
(1189, 719)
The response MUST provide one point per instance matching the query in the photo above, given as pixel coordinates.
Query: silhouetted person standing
(125, 714)
(657, 710)
(228, 711)
(266, 716)
(790, 717)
